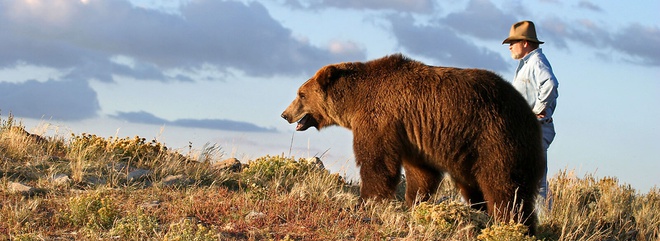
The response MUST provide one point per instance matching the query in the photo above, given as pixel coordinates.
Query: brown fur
(468, 123)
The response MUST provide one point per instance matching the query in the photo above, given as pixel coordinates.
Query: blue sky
(206, 71)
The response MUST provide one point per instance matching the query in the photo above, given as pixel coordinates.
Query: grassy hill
(86, 187)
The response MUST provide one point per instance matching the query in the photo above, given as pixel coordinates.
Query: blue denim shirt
(536, 82)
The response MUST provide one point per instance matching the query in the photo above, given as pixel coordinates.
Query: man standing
(535, 81)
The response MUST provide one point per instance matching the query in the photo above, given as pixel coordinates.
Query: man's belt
(546, 121)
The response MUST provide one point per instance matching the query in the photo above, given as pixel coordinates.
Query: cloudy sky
(222, 71)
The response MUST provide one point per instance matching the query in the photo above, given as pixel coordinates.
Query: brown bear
(468, 123)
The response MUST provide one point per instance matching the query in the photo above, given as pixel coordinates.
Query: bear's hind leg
(514, 206)
(473, 195)
(529, 215)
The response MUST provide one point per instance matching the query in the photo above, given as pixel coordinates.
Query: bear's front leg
(380, 167)
(378, 182)
(422, 181)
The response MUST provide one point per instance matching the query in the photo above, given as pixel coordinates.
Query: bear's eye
(301, 95)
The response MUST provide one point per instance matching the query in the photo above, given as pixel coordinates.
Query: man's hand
(541, 115)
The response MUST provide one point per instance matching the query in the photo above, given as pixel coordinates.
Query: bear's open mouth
(306, 122)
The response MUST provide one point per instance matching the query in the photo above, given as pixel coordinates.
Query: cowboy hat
(523, 30)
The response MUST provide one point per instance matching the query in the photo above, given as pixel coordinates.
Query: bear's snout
(285, 117)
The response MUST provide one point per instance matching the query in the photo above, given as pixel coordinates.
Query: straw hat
(523, 30)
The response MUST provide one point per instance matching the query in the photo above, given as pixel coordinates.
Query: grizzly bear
(468, 123)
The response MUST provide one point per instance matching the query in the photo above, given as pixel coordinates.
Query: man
(535, 81)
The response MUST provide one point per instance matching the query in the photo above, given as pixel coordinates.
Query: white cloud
(418, 6)
(481, 19)
(444, 45)
(229, 35)
(640, 43)
(344, 47)
(589, 6)
(21, 72)
(99, 40)
(215, 124)
(68, 43)
(65, 100)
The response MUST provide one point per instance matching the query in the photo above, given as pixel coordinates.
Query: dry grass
(274, 198)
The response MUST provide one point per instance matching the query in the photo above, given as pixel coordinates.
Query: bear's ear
(328, 75)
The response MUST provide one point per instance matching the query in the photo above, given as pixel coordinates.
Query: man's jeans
(548, 130)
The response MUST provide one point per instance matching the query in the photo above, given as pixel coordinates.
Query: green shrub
(186, 230)
(138, 226)
(276, 172)
(123, 149)
(592, 208)
(448, 216)
(94, 210)
(505, 232)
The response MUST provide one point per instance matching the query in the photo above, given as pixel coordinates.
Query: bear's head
(312, 106)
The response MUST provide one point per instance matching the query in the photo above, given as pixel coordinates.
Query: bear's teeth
(302, 123)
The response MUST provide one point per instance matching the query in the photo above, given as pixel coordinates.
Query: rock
(148, 205)
(229, 227)
(254, 216)
(231, 164)
(25, 190)
(119, 167)
(132, 173)
(61, 179)
(175, 180)
(33, 137)
(95, 180)
(54, 158)
(137, 174)
(16, 187)
(316, 161)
